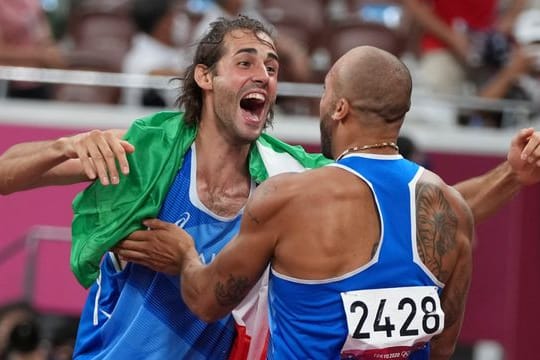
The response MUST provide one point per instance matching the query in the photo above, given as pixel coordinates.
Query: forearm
(26, 165)
(499, 86)
(197, 289)
(444, 344)
(429, 22)
(487, 193)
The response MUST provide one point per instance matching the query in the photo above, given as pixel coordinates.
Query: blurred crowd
(484, 48)
(25, 334)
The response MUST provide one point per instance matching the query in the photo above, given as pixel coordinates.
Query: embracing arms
(211, 291)
(66, 160)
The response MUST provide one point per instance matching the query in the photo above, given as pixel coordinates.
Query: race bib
(401, 319)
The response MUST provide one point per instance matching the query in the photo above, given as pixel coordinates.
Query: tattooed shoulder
(436, 228)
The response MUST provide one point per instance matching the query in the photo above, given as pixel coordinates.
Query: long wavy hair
(209, 51)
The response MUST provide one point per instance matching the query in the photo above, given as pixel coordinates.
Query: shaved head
(373, 81)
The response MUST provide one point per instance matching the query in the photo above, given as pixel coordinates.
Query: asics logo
(182, 221)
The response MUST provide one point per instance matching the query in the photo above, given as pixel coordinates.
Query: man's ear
(342, 109)
(203, 77)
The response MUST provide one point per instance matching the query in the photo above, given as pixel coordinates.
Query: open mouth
(253, 105)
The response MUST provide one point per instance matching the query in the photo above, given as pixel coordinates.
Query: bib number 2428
(393, 317)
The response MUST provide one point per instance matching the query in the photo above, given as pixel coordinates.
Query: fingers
(531, 151)
(157, 224)
(157, 248)
(134, 248)
(139, 257)
(102, 157)
(136, 241)
(87, 164)
(102, 154)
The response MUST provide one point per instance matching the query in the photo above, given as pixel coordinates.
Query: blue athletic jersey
(307, 317)
(138, 313)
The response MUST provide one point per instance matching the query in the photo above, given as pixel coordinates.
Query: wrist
(512, 177)
(189, 259)
(61, 147)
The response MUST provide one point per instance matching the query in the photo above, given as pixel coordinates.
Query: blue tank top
(138, 313)
(309, 319)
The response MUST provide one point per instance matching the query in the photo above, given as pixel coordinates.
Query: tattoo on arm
(436, 228)
(232, 291)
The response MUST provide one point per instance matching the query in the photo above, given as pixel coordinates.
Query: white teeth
(256, 96)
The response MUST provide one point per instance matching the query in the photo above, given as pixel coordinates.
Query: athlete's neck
(223, 181)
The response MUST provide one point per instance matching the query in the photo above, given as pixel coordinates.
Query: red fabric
(241, 344)
(240, 347)
(477, 14)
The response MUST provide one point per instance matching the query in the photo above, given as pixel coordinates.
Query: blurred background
(72, 65)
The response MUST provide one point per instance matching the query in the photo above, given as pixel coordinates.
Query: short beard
(326, 137)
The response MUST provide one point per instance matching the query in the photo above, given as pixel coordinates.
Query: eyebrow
(253, 51)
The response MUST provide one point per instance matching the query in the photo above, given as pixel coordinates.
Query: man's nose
(260, 74)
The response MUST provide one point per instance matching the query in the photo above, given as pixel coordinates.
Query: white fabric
(252, 312)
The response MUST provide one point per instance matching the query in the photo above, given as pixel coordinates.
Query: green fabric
(104, 215)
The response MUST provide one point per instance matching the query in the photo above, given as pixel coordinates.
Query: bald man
(369, 256)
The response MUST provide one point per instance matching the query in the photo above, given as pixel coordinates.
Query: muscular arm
(211, 291)
(66, 160)
(445, 229)
(454, 298)
(487, 193)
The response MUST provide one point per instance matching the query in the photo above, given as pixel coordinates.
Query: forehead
(246, 39)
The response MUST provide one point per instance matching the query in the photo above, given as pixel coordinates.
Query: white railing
(431, 121)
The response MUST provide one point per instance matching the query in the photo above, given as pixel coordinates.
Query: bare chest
(223, 201)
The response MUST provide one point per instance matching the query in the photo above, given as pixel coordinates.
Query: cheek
(272, 87)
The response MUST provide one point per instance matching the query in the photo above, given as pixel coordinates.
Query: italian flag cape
(104, 215)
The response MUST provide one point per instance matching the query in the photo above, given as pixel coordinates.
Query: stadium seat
(382, 23)
(100, 39)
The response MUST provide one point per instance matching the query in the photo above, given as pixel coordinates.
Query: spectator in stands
(158, 48)
(26, 40)
(459, 35)
(520, 77)
(294, 59)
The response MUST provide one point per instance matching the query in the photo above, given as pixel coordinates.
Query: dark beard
(326, 138)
